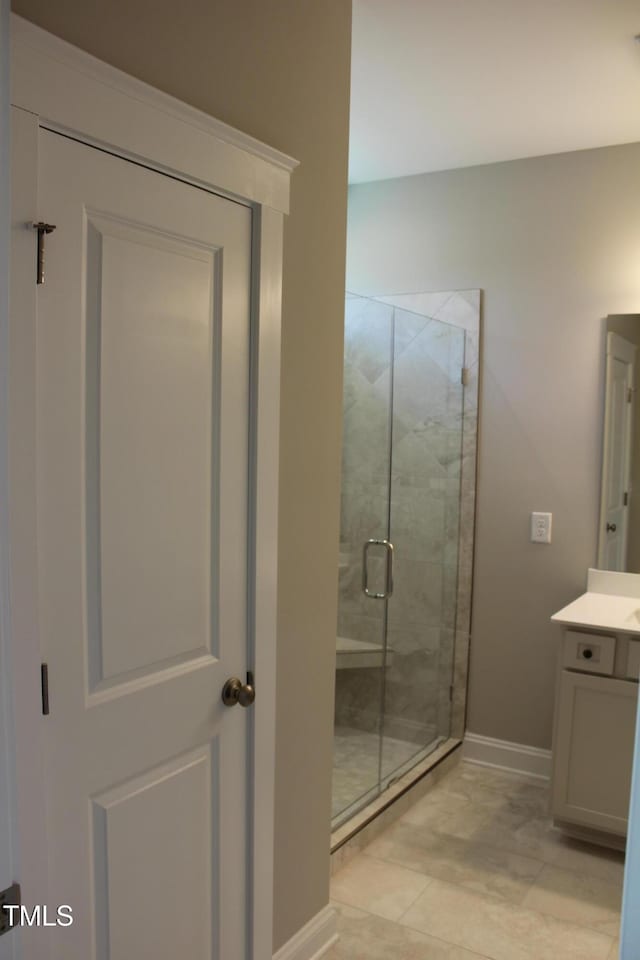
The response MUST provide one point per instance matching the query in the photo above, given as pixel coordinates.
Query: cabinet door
(593, 750)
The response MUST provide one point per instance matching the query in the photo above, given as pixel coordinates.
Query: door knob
(235, 691)
(611, 528)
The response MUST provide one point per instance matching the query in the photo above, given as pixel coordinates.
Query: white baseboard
(517, 757)
(313, 940)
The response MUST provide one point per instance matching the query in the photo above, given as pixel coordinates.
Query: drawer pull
(589, 652)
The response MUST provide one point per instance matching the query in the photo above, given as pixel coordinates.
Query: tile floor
(358, 762)
(476, 870)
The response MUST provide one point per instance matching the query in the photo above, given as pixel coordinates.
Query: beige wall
(555, 244)
(279, 70)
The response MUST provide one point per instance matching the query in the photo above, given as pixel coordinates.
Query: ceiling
(438, 84)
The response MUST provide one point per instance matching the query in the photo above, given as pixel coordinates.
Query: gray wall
(554, 242)
(279, 71)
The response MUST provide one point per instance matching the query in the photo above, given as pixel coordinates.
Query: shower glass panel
(364, 515)
(401, 475)
(427, 405)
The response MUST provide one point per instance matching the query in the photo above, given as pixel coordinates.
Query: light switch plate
(540, 527)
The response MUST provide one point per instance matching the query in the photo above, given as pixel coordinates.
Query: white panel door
(616, 461)
(143, 385)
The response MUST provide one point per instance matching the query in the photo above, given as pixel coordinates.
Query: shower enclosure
(408, 491)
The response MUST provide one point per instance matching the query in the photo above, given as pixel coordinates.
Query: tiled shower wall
(411, 462)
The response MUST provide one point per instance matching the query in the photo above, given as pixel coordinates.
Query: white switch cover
(541, 528)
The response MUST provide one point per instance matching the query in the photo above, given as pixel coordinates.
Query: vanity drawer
(589, 652)
(633, 660)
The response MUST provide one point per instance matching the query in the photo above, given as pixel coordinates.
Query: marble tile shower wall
(365, 498)
(407, 429)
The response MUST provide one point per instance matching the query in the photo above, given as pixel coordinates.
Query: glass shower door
(361, 647)
(424, 505)
(401, 483)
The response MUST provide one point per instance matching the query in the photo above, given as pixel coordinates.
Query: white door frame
(8, 867)
(61, 88)
(621, 349)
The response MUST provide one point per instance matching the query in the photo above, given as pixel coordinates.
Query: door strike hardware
(44, 688)
(464, 377)
(8, 898)
(43, 229)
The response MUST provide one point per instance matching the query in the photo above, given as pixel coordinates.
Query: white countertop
(602, 611)
(612, 602)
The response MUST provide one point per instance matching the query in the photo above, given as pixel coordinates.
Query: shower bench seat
(354, 654)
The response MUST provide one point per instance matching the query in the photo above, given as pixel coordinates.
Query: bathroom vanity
(596, 703)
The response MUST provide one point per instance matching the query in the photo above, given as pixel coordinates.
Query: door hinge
(44, 688)
(464, 377)
(629, 394)
(451, 692)
(626, 498)
(9, 898)
(43, 229)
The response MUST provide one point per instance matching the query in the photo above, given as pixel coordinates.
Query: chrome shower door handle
(365, 569)
(389, 547)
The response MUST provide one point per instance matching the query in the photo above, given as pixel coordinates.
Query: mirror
(619, 529)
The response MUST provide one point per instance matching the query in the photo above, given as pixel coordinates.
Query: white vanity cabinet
(593, 747)
(595, 714)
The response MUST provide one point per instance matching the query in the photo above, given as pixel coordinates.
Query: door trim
(61, 88)
(73, 92)
(8, 868)
(617, 347)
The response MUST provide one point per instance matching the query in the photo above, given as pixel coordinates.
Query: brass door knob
(235, 691)
(611, 528)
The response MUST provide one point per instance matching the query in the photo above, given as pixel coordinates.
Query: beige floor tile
(590, 859)
(474, 866)
(581, 899)
(515, 818)
(450, 814)
(501, 930)
(528, 800)
(507, 885)
(365, 937)
(508, 779)
(517, 821)
(513, 826)
(486, 785)
(377, 887)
